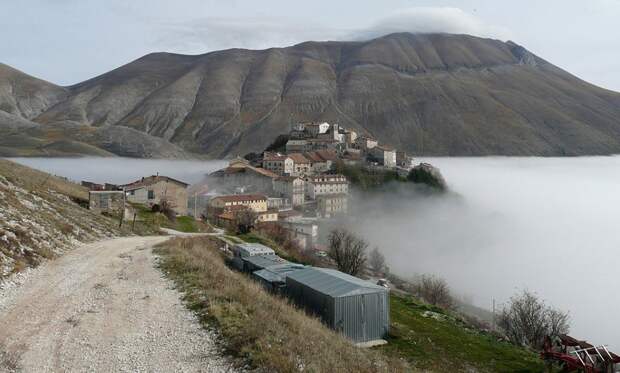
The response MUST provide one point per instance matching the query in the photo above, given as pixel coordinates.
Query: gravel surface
(102, 307)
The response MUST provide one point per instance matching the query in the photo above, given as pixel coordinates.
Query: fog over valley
(549, 225)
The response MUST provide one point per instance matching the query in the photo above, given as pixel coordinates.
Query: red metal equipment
(573, 355)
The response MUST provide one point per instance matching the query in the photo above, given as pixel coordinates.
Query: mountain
(431, 94)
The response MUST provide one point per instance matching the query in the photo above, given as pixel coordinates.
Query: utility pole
(195, 206)
(493, 310)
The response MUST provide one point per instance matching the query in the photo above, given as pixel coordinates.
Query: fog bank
(546, 224)
(118, 170)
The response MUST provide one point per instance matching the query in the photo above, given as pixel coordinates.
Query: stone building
(110, 201)
(278, 163)
(318, 185)
(152, 190)
(290, 187)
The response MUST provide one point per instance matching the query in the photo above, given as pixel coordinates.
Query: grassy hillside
(42, 216)
(430, 338)
(269, 332)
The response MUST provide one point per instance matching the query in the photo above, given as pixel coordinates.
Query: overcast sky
(67, 41)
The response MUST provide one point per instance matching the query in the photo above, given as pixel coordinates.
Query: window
(151, 194)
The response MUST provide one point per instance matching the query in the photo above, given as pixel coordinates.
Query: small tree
(434, 290)
(348, 251)
(376, 260)
(527, 320)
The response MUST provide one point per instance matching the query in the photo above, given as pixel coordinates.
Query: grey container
(359, 309)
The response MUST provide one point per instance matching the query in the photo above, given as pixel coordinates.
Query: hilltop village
(295, 185)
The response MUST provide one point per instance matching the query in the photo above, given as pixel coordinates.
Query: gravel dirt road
(103, 307)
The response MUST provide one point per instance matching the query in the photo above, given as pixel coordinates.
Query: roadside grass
(432, 339)
(151, 222)
(264, 330)
(38, 181)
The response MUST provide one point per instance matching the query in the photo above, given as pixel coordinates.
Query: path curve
(104, 307)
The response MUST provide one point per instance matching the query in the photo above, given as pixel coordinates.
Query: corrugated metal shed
(335, 283)
(252, 249)
(359, 309)
(278, 272)
(258, 262)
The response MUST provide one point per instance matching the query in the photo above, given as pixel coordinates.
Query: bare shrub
(347, 250)
(376, 260)
(166, 207)
(66, 228)
(434, 290)
(527, 320)
(284, 239)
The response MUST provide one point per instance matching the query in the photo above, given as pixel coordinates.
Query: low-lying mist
(550, 225)
(117, 170)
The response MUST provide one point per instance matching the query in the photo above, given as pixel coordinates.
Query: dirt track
(103, 307)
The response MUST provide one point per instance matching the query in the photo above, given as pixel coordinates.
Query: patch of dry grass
(34, 180)
(265, 330)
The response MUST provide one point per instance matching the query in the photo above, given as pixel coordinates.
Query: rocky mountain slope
(432, 94)
(40, 218)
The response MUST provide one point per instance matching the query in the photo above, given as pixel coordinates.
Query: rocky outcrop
(429, 175)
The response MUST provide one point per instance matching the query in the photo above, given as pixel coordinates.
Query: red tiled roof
(328, 154)
(150, 180)
(258, 170)
(242, 197)
(298, 158)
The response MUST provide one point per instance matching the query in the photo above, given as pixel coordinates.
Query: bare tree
(245, 220)
(348, 251)
(434, 290)
(527, 320)
(376, 260)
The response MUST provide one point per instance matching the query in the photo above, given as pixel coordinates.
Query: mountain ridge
(429, 94)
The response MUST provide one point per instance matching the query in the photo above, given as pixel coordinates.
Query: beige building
(278, 163)
(329, 205)
(222, 209)
(326, 184)
(240, 174)
(290, 187)
(152, 190)
(255, 202)
(301, 165)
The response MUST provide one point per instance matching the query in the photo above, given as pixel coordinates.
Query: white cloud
(208, 34)
(211, 33)
(433, 20)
